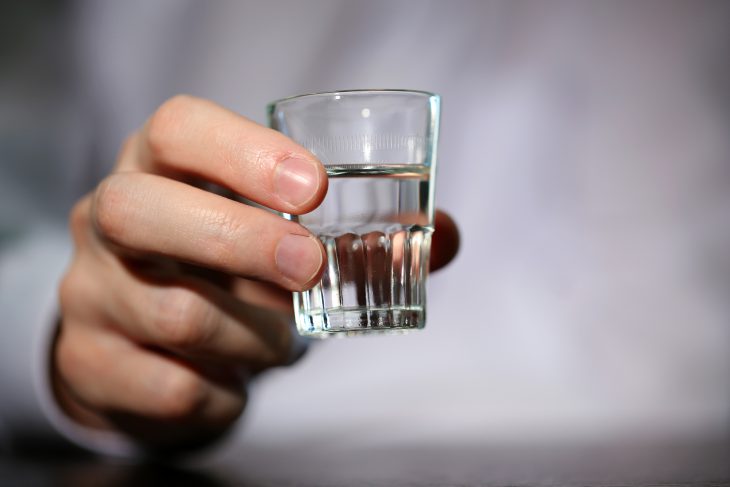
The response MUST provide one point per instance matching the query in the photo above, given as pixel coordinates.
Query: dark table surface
(700, 464)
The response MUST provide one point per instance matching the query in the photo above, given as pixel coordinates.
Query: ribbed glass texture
(377, 219)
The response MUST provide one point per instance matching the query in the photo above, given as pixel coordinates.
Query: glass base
(360, 321)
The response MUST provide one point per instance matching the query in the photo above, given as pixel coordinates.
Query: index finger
(189, 136)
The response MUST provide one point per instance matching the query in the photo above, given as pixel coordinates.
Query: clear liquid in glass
(375, 224)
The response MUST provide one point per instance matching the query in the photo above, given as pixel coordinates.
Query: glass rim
(385, 91)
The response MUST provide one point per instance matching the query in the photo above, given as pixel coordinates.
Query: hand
(176, 294)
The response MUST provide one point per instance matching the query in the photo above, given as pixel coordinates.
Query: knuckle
(69, 289)
(183, 318)
(182, 394)
(165, 121)
(69, 357)
(110, 201)
(79, 219)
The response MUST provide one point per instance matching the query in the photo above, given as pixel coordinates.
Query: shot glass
(379, 150)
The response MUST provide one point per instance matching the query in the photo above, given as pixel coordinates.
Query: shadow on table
(80, 470)
(695, 465)
(704, 464)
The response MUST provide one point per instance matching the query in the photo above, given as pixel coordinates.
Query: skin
(176, 295)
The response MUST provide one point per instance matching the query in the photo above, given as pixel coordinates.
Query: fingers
(197, 319)
(446, 241)
(167, 308)
(189, 136)
(159, 216)
(140, 382)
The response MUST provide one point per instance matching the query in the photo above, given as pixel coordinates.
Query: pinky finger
(105, 372)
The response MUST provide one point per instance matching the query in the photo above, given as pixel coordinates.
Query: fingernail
(298, 257)
(296, 180)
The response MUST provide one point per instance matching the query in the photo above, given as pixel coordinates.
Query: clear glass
(379, 149)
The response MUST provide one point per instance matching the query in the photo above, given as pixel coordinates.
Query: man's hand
(175, 294)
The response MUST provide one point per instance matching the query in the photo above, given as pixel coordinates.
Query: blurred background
(585, 153)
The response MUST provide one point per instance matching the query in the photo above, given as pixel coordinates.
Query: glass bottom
(361, 321)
